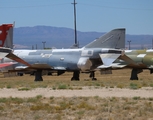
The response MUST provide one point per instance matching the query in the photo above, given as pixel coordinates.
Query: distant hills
(61, 37)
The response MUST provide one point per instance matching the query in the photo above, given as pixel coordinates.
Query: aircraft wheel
(94, 79)
(75, 79)
(20, 74)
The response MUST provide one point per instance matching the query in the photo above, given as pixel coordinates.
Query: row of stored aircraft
(106, 52)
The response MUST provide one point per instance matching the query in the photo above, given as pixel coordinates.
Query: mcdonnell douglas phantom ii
(137, 60)
(102, 51)
(6, 45)
(140, 59)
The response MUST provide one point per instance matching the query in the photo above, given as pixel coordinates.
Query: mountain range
(38, 37)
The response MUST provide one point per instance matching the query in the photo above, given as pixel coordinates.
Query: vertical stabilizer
(113, 39)
(6, 35)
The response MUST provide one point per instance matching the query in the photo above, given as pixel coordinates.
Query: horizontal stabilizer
(17, 59)
(108, 59)
(127, 59)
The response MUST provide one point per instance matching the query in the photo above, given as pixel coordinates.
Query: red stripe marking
(5, 64)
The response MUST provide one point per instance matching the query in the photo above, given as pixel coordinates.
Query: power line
(101, 6)
(33, 6)
(112, 7)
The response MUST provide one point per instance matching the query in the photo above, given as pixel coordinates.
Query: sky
(91, 15)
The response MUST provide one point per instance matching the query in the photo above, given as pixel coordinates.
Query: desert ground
(111, 97)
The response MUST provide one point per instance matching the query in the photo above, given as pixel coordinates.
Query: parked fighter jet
(137, 60)
(103, 50)
(6, 45)
(142, 59)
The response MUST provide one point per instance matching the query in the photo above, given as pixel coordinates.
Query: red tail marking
(3, 33)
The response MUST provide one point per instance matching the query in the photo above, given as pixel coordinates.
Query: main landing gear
(92, 75)
(76, 76)
(134, 73)
(38, 75)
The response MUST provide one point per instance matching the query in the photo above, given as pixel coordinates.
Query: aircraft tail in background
(6, 35)
(113, 39)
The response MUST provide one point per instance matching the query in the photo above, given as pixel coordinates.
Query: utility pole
(44, 44)
(32, 47)
(75, 31)
(152, 43)
(129, 44)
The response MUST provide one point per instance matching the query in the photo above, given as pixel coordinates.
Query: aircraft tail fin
(6, 35)
(113, 39)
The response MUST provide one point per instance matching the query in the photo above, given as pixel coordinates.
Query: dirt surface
(113, 85)
(86, 92)
(111, 97)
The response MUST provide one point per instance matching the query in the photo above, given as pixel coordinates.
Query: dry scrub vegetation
(119, 78)
(77, 108)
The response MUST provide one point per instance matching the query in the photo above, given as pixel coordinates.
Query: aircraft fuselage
(64, 59)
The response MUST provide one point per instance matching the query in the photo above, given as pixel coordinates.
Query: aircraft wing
(26, 65)
(108, 59)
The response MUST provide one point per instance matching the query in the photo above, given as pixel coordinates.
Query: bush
(62, 87)
(133, 86)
